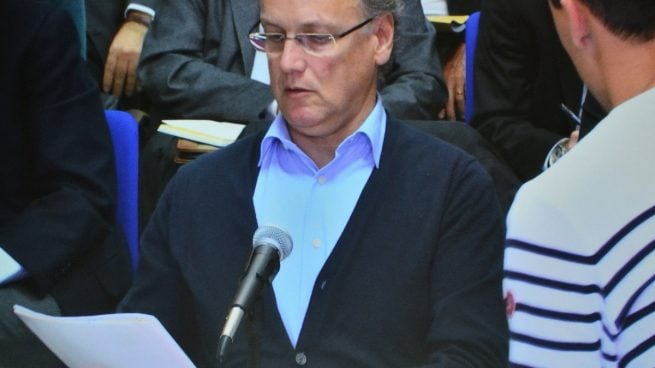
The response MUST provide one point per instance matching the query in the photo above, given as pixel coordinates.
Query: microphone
(270, 246)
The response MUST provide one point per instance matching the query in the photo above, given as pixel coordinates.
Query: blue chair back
(125, 138)
(471, 39)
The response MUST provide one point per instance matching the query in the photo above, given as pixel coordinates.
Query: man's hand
(123, 57)
(455, 76)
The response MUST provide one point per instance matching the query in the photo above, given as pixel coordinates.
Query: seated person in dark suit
(397, 235)
(60, 251)
(523, 76)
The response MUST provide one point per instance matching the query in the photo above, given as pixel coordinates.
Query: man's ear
(384, 32)
(577, 15)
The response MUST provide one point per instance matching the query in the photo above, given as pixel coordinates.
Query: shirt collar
(373, 128)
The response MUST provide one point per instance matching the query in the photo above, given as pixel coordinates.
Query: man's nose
(292, 56)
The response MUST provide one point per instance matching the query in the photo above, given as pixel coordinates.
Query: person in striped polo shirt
(580, 250)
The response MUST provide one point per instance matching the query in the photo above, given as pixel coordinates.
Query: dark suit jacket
(459, 7)
(522, 75)
(57, 180)
(414, 279)
(197, 61)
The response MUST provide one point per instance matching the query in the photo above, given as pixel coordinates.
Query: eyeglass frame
(299, 37)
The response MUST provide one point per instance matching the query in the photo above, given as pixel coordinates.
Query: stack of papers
(449, 23)
(110, 341)
(215, 133)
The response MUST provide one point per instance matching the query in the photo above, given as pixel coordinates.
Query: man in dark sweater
(397, 235)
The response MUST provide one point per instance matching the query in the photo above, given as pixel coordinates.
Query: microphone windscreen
(275, 237)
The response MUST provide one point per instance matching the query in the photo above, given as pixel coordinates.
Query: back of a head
(628, 19)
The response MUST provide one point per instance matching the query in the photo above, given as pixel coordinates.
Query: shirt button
(316, 243)
(301, 359)
(322, 179)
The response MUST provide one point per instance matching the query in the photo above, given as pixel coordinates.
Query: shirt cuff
(141, 8)
(10, 270)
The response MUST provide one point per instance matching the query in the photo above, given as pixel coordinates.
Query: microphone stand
(253, 331)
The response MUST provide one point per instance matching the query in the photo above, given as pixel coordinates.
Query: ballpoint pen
(576, 119)
(573, 117)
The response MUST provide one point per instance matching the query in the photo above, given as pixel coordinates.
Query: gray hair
(372, 8)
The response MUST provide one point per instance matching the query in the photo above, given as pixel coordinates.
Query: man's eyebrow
(264, 21)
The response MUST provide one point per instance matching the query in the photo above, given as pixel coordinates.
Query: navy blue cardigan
(414, 280)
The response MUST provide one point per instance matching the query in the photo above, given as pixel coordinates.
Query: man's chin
(299, 112)
(302, 118)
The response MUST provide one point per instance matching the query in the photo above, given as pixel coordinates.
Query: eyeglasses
(313, 43)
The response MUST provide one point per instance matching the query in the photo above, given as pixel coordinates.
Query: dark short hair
(628, 19)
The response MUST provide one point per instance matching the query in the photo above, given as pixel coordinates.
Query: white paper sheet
(216, 133)
(107, 341)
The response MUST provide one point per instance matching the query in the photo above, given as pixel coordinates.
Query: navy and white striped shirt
(580, 252)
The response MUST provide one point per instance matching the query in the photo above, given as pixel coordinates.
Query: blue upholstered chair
(125, 138)
(471, 39)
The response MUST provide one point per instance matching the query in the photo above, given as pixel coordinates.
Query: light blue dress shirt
(313, 205)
